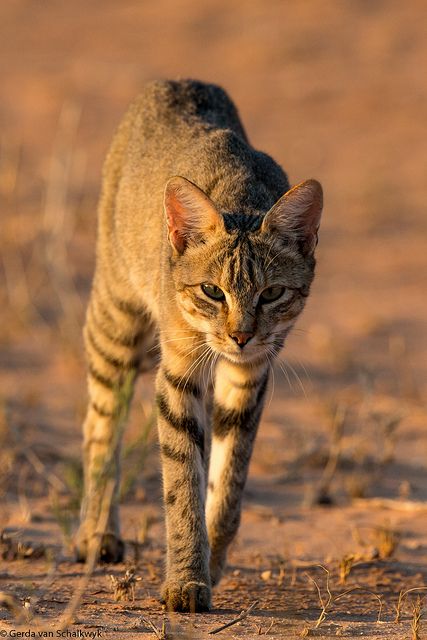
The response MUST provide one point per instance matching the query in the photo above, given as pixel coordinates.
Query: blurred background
(332, 90)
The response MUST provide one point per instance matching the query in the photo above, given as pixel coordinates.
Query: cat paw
(189, 597)
(111, 550)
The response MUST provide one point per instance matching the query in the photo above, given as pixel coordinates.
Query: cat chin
(242, 358)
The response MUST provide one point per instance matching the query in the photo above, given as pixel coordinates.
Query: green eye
(271, 294)
(212, 291)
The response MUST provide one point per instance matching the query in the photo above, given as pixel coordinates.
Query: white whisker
(270, 353)
(295, 374)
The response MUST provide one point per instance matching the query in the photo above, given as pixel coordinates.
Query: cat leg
(112, 335)
(181, 424)
(238, 401)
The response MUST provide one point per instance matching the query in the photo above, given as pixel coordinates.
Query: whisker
(303, 367)
(215, 359)
(206, 365)
(296, 376)
(299, 363)
(157, 345)
(285, 373)
(193, 366)
(269, 360)
(189, 370)
(186, 354)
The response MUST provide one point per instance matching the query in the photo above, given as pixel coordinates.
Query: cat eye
(271, 294)
(212, 291)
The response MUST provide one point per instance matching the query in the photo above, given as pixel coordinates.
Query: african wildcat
(217, 274)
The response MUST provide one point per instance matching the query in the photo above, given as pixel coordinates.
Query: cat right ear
(190, 214)
(297, 214)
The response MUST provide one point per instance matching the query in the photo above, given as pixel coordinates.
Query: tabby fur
(187, 201)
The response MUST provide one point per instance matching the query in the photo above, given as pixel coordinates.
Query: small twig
(422, 588)
(242, 615)
(270, 626)
(325, 605)
(159, 633)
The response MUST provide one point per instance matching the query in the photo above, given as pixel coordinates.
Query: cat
(204, 249)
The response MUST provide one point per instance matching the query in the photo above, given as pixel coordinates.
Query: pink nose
(241, 337)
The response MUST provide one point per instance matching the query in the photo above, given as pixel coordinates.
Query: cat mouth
(244, 358)
(246, 355)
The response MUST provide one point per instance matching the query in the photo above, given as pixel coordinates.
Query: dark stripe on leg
(100, 411)
(105, 323)
(225, 420)
(181, 384)
(172, 454)
(118, 363)
(170, 498)
(248, 384)
(126, 307)
(183, 424)
(102, 380)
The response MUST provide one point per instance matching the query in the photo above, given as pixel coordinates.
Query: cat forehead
(240, 262)
(250, 261)
(242, 223)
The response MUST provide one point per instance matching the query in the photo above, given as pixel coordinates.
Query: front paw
(190, 597)
(111, 549)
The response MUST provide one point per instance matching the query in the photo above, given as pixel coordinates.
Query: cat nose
(241, 337)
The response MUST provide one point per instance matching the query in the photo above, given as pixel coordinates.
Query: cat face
(242, 287)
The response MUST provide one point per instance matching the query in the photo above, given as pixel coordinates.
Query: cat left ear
(190, 214)
(297, 214)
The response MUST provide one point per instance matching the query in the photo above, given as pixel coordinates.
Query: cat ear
(297, 214)
(189, 213)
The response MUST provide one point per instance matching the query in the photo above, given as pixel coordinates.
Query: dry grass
(403, 594)
(124, 588)
(386, 541)
(324, 600)
(417, 610)
(328, 599)
(345, 566)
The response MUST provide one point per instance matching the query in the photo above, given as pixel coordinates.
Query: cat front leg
(113, 331)
(181, 426)
(238, 402)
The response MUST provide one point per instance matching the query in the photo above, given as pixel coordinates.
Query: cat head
(242, 285)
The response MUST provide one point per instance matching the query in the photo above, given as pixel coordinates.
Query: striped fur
(186, 202)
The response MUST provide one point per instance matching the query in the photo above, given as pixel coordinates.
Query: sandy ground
(334, 91)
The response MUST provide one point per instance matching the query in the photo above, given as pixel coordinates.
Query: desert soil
(334, 91)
